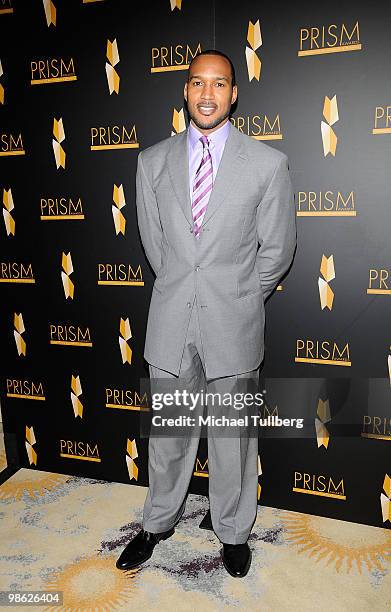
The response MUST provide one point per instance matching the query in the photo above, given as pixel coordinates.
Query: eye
(220, 84)
(196, 82)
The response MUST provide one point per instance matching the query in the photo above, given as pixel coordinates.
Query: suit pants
(232, 461)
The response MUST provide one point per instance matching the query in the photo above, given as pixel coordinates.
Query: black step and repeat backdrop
(84, 86)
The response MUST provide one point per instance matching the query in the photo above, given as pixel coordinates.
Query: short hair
(215, 52)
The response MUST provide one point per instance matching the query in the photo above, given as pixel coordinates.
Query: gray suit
(251, 202)
(206, 318)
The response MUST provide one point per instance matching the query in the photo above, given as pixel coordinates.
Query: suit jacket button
(191, 230)
(188, 304)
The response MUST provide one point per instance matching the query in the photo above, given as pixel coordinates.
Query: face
(209, 93)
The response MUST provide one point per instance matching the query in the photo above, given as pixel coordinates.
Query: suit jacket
(247, 242)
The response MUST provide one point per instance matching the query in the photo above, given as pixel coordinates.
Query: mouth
(206, 109)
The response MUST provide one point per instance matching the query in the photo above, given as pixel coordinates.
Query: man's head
(210, 90)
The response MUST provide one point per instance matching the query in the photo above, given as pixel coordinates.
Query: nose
(207, 91)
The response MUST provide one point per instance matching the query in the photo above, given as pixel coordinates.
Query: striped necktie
(202, 187)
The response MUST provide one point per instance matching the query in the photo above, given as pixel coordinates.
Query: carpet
(65, 533)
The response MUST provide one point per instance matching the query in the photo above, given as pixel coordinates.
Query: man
(206, 200)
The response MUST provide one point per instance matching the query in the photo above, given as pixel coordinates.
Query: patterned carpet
(63, 532)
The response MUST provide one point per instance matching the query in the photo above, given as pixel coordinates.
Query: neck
(206, 132)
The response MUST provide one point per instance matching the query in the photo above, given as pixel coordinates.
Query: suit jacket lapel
(178, 168)
(228, 173)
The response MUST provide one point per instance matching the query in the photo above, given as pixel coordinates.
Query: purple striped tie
(202, 187)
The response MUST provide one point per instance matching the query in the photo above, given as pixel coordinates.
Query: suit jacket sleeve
(148, 217)
(276, 228)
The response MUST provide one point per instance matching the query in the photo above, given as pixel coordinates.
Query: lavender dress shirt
(217, 141)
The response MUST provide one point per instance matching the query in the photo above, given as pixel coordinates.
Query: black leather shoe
(140, 549)
(236, 559)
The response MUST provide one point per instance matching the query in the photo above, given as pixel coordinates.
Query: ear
(185, 91)
(234, 94)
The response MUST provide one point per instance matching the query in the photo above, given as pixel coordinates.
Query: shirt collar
(217, 137)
